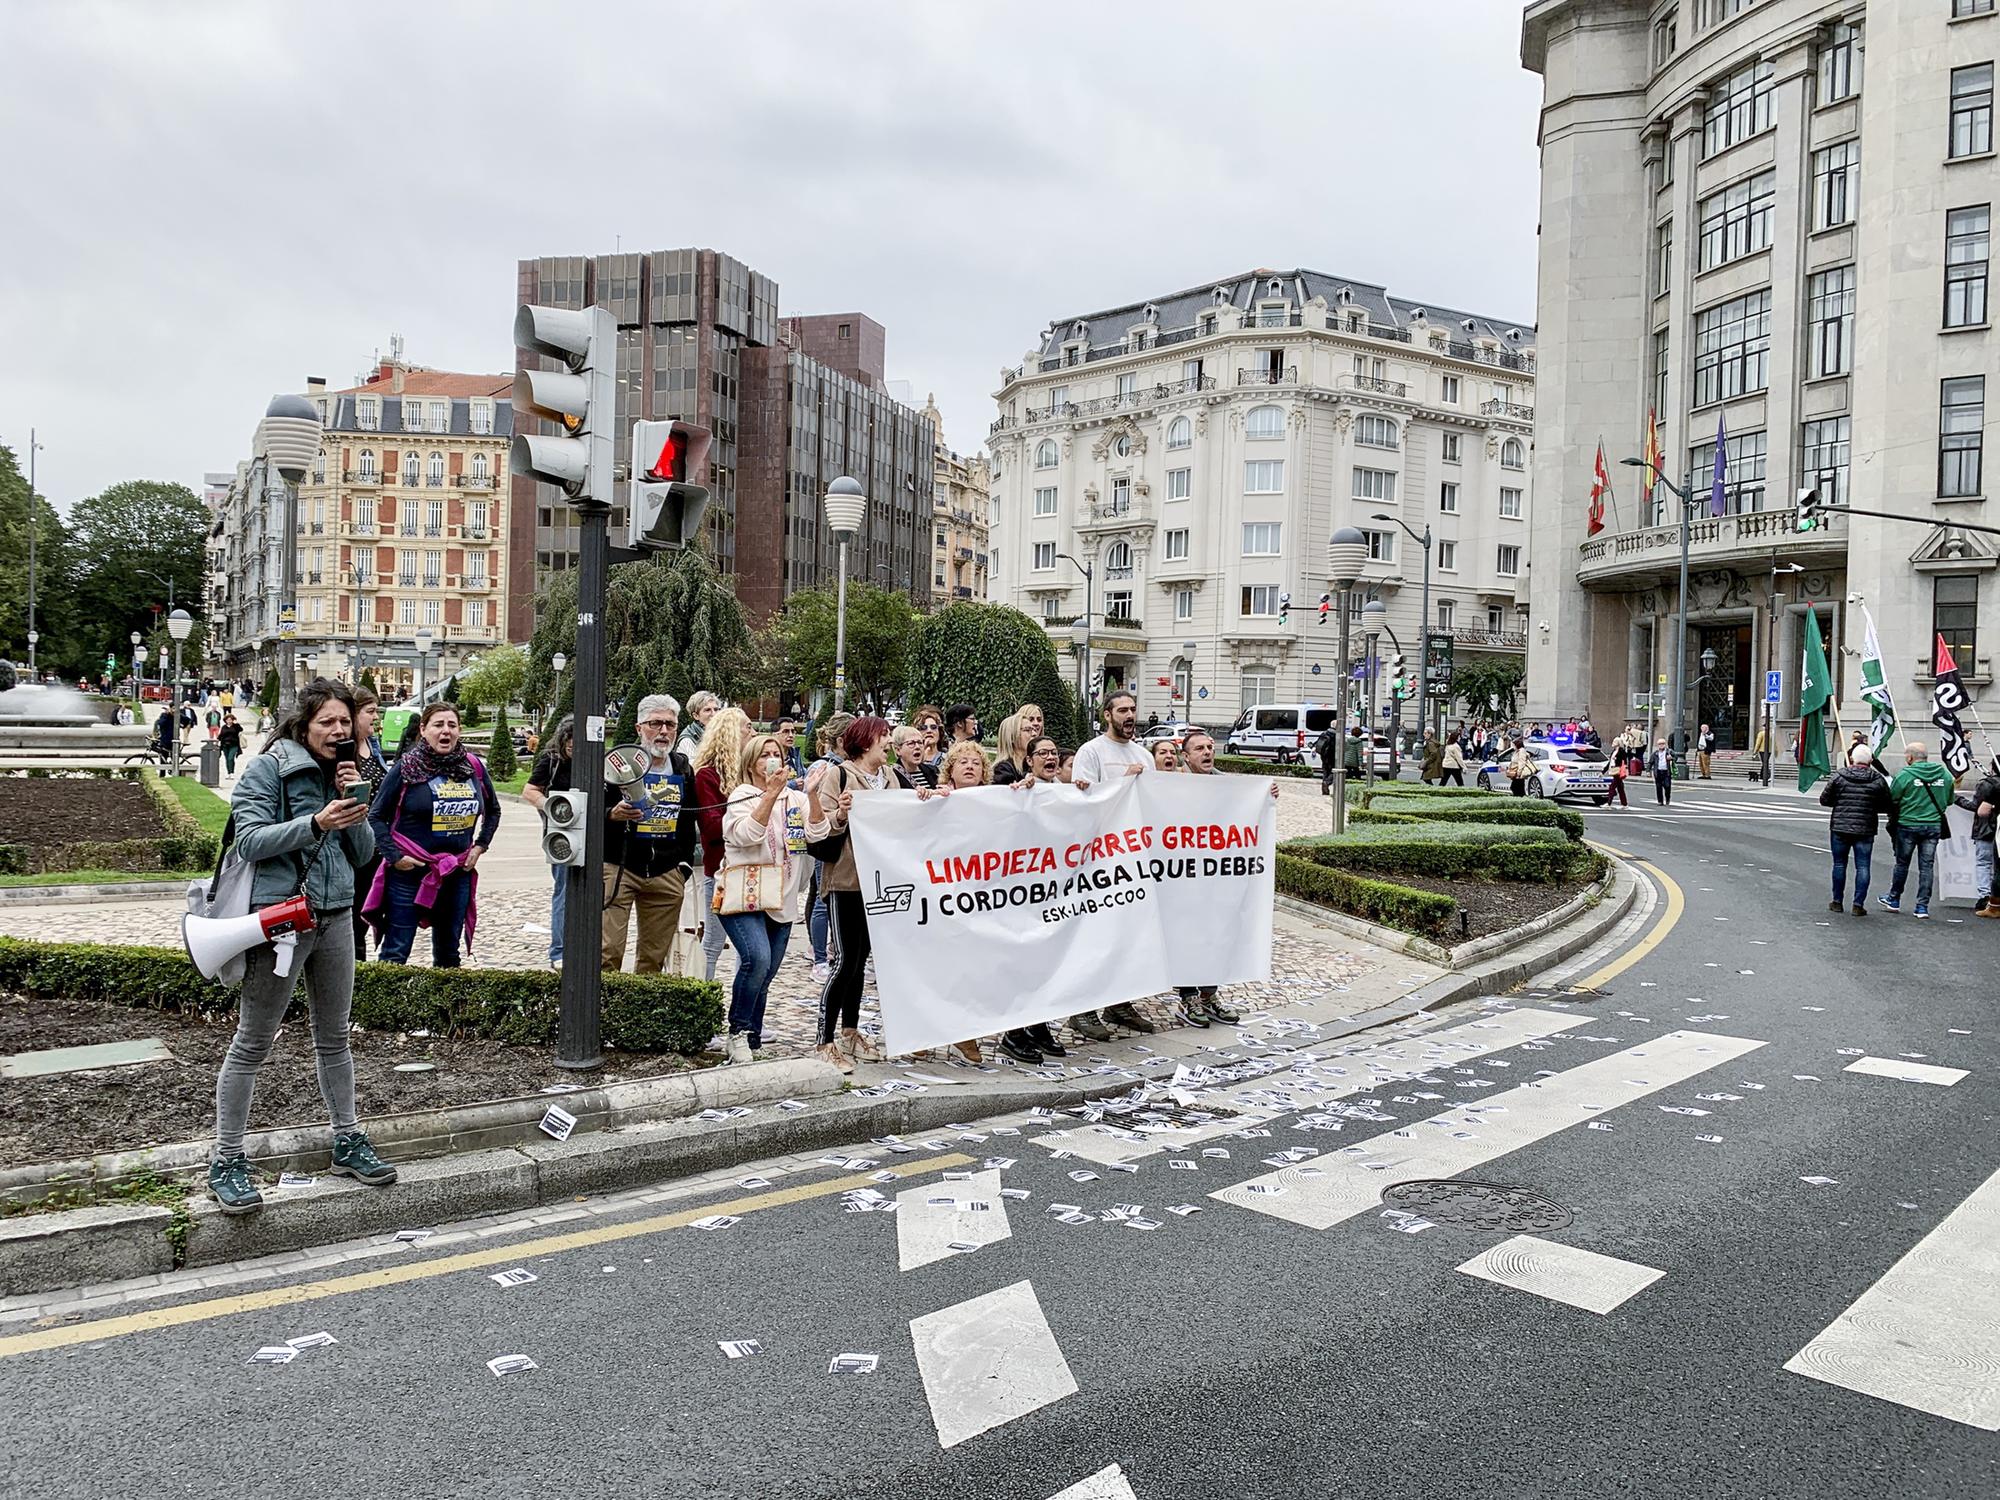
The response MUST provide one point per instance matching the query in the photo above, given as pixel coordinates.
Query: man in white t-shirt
(1116, 752)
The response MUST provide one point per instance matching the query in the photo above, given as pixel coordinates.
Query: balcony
(1375, 384)
(1490, 640)
(1000, 425)
(1109, 515)
(366, 581)
(435, 482)
(961, 592)
(1118, 575)
(472, 481)
(477, 533)
(1123, 401)
(362, 528)
(475, 581)
(1499, 358)
(1760, 537)
(406, 580)
(963, 554)
(1513, 411)
(434, 528)
(363, 477)
(1289, 375)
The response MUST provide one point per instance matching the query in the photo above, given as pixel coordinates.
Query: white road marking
(1927, 1334)
(1346, 1184)
(987, 1361)
(1903, 1068)
(1562, 1273)
(1108, 1483)
(926, 1232)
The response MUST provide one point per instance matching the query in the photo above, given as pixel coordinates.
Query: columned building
(1747, 236)
(1196, 451)
(960, 512)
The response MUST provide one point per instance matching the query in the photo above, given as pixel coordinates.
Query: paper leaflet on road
(995, 908)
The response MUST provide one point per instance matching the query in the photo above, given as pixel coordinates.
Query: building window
(1448, 390)
(366, 464)
(1177, 544)
(475, 613)
(1732, 348)
(1045, 502)
(1743, 459)
(1961, 423)
(433, 569)
(1045, 454)
(1836, 171)
(1714, 12)
(479, 470)
(440, 415)
(1736, 221)
(1264, 476)
(1448, 498)
(1447, 555)
(433, 612)
(1123, 447)
(413, 415)
(434, 518)
(1739, 106)
(475, 570)
(435, 477)
(1260, 599)
(1448, 451)
(1381, 546)
(1128, 389)
(1510, 504)
(364, 516)
(1183, 604)
(1264, 422)
(1955, 616)
(1260, 538)
(1972, 110)
(1374, 484)
(1660, 371)
(1666, 37)
(1180, 433)
(368, 414)
(1513, 454)
(1118, 561)
(1967, 242)
(482, 418)
(1823, 457)
(1830, 314)
(1963, 8)
(1840, 64)
(1259, 686)
(1180, 483)
(1058, 399)
(940, 536)
(411, 468)
(1663, 257)
(1510, 561)
(1045, 556)
(1375, 432)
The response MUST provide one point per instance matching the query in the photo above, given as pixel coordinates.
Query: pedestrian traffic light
(667, 508)
(566, 814)
(1811, 510)
(1399, 685)
(581, 398)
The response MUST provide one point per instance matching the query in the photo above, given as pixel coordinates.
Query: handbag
(740, 889)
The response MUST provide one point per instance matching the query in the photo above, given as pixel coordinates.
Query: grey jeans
(713, 938)
(325, 960)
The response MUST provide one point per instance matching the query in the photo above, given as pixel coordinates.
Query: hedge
(1424, 913)
(642, 1012)
(1447, 851)
(1365, 794)
(1250, 766)
(1509, 811)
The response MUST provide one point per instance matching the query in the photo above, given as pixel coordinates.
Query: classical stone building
(1196, 451)
(1742, 228)
(960, 510)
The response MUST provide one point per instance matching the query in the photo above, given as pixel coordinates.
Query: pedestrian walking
(1983, 802)
(1662, 763)
(1351, 752)
(718, 767)
(229, 739)
(649, 835)
(1921, 791)
(826, 744)
(1327, 748)
(434, 818)
(297, 820)
(1431, 768)
(1858, 793)
(1521, 769)
(1451, 763)
(761, 879)
(1619, 771)
(1704, 747)
(863, 768)
(551, 773)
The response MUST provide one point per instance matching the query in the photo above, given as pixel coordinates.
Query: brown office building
(792, 403)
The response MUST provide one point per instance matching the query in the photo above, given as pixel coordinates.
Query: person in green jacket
(1921, 792)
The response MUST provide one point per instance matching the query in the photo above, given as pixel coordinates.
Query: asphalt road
(1242, 1351)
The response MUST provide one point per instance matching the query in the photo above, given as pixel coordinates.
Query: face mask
(770, 763)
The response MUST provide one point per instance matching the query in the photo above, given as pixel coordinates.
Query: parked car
(1176, 730)
(1278, 731)
(1561, 771)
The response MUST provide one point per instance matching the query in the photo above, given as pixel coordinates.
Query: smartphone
(346, 751)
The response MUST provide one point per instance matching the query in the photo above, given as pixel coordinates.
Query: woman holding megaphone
(300, 812)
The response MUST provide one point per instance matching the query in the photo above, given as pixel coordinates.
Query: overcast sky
(209, 201)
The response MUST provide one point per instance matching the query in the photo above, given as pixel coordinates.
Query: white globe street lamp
(288, 439)
(1346, 556)
(846, 507)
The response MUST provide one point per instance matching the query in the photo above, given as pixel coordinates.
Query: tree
(881, 624)
(988, 655)
(500, 760)
(368, 680)
(269, 696)
(55, 613)
(1478, 680)
(131, 542)
(494, 678)
(1062, 716)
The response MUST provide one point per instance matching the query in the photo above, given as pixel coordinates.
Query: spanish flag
(1654, 458)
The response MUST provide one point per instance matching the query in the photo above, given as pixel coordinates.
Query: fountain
(58, 729)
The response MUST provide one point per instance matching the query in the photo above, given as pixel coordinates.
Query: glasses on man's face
(658, 723)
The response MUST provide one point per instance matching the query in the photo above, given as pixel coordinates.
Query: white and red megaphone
(213, 941)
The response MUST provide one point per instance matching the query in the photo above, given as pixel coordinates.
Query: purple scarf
(421, 763)
(437, 869)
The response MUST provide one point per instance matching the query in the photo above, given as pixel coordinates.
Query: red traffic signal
(670, 462)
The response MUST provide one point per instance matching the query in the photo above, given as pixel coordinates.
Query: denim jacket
(273, 807)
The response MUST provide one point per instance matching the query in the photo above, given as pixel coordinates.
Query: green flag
(1815, 690)
(1875, 688)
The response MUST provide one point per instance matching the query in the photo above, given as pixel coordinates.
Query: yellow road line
(387, 1276)
(1621, 853)
(1676, 904)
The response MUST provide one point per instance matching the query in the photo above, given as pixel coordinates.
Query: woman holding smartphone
(759, 882)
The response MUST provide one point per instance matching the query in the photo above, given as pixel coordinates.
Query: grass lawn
(207, 809)
(512, 783)
(97, 877)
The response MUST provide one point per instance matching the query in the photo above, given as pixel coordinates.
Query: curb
(56, 895)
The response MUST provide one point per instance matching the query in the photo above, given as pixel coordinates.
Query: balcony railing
(406, 580)
(1376, 384)
(1123, 622)
(472, 481)
(1000, 424)
(1501, 358)
(1500, 640)
(363, 528)
(1511, 409)
(361, 476)
(1392, 335)
(1127, 401)
(963, 554)
(434, 528)
(1289, 375)
(1756, 533)
(476, 532)
(434, 482)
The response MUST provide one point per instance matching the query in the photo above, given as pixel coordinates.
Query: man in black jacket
(1858, 795)
(1983, 802)
(649, 837)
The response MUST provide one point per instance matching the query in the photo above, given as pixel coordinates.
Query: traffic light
(582, 398)
(1811, 510)
(666, 508)
(1284, 606)
(1399, 685)
(562, 832)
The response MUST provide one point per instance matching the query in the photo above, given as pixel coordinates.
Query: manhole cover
(1478, 1205)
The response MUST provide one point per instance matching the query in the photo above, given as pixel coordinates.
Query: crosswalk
(1732, 809)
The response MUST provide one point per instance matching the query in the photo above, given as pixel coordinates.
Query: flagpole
(1609, 488)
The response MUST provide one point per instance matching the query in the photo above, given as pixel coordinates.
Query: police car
(1562, 770)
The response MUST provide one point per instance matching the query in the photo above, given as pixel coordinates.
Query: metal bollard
(211, 763)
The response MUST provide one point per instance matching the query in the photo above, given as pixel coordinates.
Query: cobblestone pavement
(513, 933)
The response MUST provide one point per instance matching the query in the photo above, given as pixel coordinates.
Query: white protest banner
(996, 907)
(1957, 866)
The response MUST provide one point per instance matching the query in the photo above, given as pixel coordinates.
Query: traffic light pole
(579, 1039)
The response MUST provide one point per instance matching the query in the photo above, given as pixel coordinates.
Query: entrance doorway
(1723, 701)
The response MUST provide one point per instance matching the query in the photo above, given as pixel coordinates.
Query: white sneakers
(739, 1047)
(822, 973)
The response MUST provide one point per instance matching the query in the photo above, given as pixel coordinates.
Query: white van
(1279, 731)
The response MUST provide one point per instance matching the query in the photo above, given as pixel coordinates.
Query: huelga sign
(996, 907)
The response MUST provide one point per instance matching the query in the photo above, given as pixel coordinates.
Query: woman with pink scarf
(435, 815)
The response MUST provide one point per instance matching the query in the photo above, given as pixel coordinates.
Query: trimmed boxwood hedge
(1424, 913)
(1249, 765)
(642, 1012)
(1364, 794)
(1508, 811)
(1447, 851)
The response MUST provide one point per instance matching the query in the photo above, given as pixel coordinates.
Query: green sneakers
(230, 1185)
(354, 1157)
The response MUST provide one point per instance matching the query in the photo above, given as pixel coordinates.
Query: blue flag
(1716, 504)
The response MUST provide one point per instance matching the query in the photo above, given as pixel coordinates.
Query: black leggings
(1451, 776)
(841, 1001)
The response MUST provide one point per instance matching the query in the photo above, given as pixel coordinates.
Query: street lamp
(1188, 649)
(1346, 556)
(1424, 624)
(422, 641)
(289, 438)
(556, 665)
(138, 675)
(1374, 620)
(846, 507)
(1079, 639)
(1087, 691)
(180, 624)
(1676, 736)
(34, 637)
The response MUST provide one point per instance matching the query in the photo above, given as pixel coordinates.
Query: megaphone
(625, 764)
(213, 941)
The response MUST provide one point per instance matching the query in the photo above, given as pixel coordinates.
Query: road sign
(288, 622)
(1201, 692)
(1773, 681)
(1437, 660)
